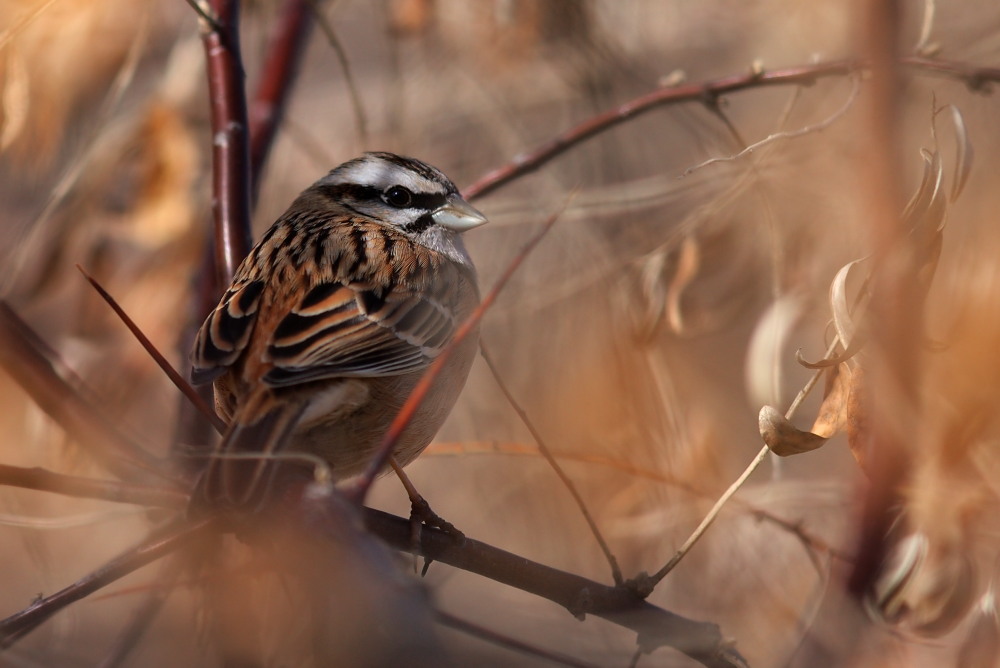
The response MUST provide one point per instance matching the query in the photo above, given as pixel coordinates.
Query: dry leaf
(782, 437)
(857, 418)
(925, 587)
(832, 416)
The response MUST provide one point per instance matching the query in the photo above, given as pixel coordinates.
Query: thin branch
(143, 617)
(501, 640)
(360, 119)
(49, 381)
(794, 527)
(791, 134)
(712, 514)
(204, 13)
(159, 543)
(284, 54)
(409, 409)
(975, 77)
(89, 488)
(176, 378)
(616, 572)
(693, 92)
(656, 627)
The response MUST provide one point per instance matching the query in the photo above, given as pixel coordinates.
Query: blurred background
(641, 338)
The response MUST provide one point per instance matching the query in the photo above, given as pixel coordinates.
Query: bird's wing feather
(355, 330)
(226, 331)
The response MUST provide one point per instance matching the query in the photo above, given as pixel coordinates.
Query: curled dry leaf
(766, 349)
(963, 156)
(856, 415)
(832, 416)
(843, 308)
(925, 588)
(664, 276)
(688, 264)
(784, 438)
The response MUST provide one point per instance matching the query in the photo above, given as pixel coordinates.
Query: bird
(331, 320)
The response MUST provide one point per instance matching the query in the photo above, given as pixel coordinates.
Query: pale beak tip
(458, 215)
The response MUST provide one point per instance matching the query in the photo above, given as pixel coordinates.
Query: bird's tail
(241, 469)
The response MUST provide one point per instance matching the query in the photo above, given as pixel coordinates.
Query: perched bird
(331, 320)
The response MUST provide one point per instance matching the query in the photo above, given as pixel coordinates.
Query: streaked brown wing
(226, 332)
(340, 330)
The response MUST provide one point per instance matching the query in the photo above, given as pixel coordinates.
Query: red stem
(230, 155)
(267, 108)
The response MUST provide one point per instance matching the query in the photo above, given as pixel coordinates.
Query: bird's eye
(398, 196)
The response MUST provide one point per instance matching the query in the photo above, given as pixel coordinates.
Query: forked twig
(712, 514)
(976, 78)
(543, 448)
(785, 134)
(655, 626)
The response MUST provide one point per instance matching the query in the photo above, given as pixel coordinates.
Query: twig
(712, 514)
(976, 78)
(419, 392)
(616, 572)
(345, 65)
(143, 617)
(525, 450)
(267, 106)
(179, 381)
(791, 134)
(106, 490)
(694, 92)
(230, 152)
(160, 543)
(655, 626)
(204, 13)
(501, 640)
(53, 386)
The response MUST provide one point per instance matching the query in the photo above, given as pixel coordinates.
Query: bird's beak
(458, 215)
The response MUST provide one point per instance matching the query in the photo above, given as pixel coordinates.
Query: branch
(281, 64)
(976, 78)
(546, 452)
(655, 626)
(89, 488)
(345, 65)
(761, 455)
(160, 543)
(50, 382)
(230, 153)
(175, 377)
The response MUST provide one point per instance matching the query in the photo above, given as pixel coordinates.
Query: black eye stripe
(426, 201)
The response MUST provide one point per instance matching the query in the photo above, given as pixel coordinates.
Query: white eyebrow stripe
(381, 175)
